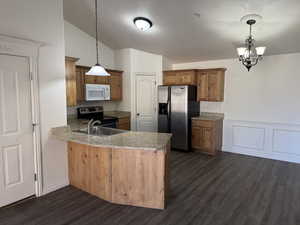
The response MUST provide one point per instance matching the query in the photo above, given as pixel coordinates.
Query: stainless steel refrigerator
(176, 106)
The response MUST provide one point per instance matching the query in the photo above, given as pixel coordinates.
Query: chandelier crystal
(250, 55)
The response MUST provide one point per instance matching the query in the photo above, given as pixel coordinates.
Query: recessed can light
(142, 23)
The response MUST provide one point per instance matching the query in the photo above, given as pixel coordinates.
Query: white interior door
(146, 103)
(16, 134)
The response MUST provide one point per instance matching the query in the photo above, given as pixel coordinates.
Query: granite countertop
(209, 116)
(117, 114)
(126, 140)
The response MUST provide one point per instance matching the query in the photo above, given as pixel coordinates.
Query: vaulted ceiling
(190, 30)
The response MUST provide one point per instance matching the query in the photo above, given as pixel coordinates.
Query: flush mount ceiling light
(142, 23)
(250, 55)
(97, 69)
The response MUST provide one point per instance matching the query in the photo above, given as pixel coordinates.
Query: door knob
(138, 114)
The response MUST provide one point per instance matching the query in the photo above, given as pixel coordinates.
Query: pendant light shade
(97, 69)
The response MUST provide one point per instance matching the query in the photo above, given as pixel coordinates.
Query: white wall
(42, 20)
(81, 45)
(134, 62)
(258, 105)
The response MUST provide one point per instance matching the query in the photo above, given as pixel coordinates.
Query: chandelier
(250, 55)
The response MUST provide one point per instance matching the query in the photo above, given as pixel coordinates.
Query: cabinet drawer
(203, 123)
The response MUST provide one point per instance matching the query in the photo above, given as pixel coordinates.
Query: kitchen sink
(100, 131)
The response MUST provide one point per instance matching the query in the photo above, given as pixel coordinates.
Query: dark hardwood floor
(229, 190)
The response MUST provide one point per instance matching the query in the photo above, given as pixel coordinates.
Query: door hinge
(35, 177)
(33, 126)
(30, 75)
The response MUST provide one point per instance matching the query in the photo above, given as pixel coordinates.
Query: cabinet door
(216, 86)
(186, 78)
(89, 79)
(124, 124)
(100, 172)
(170, 79)
(115, 82)
(102, 80)
(196, 137)
(71, 89)
(79, 166)
(80, 83)
(206, 139)
(202, 86)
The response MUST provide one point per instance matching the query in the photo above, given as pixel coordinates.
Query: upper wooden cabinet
(210, 82)
(115, 82)
(210, 85)
(180, 77)
(71, 88)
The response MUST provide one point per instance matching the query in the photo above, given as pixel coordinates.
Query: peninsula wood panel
(138, 178)
(100, 172)
(79, 166)
(125, 176)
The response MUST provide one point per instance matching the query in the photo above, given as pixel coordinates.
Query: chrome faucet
(92, 123)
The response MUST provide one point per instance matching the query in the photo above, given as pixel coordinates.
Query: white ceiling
(181, 35)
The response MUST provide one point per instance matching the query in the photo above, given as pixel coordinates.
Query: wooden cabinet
(180, 77)
(210, 85)
(80, 82)
(90, 168)
(124, 176)
(115, 81)
(71, 88)
(207, 135)
(124, 123)
(210, 82)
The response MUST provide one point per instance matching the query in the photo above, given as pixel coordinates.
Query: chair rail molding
(276, 141)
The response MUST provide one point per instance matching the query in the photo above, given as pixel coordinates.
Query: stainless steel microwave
(97, 92)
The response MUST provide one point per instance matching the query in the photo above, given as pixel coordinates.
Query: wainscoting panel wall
(267, 140)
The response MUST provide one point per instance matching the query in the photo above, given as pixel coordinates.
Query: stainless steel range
(96, 113)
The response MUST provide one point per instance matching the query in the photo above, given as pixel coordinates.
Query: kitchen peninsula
(125, 167)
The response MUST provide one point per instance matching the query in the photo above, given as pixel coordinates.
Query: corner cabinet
(115, 82)
(71, 84)
(210, 85)
(210, 82)
(207, 135)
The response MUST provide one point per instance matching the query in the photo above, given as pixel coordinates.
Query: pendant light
(97, 69)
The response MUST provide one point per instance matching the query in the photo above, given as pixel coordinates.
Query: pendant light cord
(97, 45)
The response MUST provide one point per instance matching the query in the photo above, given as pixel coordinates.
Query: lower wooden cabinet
(124, 123)
(207, 135)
